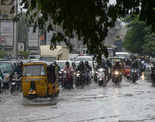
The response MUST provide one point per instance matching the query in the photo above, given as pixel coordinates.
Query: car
(7, 69)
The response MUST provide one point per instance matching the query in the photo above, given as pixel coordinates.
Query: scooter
(116, 77)
(79, 79)
(67, 81)
(101, 77)
(87, 78)
(15, 83)
(134, 75)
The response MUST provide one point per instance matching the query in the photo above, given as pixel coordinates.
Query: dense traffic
(69, 74)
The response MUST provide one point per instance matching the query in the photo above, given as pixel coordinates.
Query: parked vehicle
(7, 69)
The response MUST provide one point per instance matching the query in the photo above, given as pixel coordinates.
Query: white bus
(123, 54)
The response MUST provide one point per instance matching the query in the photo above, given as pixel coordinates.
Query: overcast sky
(112, 1)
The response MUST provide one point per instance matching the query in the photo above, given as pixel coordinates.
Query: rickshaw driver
(51, 73)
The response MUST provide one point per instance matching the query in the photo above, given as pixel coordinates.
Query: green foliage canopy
(90, 20)
(139, 38)
(134, 38)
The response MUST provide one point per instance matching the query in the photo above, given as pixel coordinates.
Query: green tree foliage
(87, 19)
(134, 38)
(139, 38)
(25, 54)
(2, 53)
(149, 44)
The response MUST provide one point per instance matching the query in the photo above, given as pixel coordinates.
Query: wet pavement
(128, 103)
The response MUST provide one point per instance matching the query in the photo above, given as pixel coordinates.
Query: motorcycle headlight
(101, 70)
(77, 74)
(65, 72)
(6, 78)
(116, 72)
(13, 83)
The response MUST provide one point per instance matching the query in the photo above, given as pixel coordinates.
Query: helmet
(117, 63)
(81, 62)
(73, 63)
(67, 63)
(55, 63)
(86, 62)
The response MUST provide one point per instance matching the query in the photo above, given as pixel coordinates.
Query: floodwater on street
(129, 103)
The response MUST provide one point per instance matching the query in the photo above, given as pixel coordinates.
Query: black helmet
(81, 62)
(67, 63)
(55, 63)
(73, 63)
(86, 62)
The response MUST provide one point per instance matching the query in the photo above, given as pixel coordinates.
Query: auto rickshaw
(39, 80)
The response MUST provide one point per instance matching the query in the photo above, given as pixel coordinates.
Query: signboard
(33, 38)
(7, 2)
(6, 8)
(20, 46)
(6, 33)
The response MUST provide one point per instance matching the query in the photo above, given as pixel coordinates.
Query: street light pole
(15, 42)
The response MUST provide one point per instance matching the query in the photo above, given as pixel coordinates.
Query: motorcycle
(101, 77)
(116, 77)
(127, 72)
(134, 75)
(87, 77)
(67, 80)
(1, 84)
(15, 83)
(153, 76)
(79, 79)
(60, 79)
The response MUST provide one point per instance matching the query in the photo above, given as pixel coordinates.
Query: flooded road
(129, 103)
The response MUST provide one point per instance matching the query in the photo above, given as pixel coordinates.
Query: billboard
(33, 38)
(6, 33)
(7, 2)
(7, 8)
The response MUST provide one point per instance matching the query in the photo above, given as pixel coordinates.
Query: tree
(25, 54)
(149, 44)
(139, 38)
(2, 53)
(90, 20)
(134, 39)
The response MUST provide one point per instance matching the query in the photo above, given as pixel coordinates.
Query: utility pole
(15, 43)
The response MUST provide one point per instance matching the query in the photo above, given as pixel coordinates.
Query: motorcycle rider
(135, 65)
(87, 66)
(1, 81)
(117, 66)
(82, 70)
(88, 69)
(153, 75)
(69, 73)
(74, 66)
(81, 66)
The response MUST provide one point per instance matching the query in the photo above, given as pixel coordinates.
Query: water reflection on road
(128, 103)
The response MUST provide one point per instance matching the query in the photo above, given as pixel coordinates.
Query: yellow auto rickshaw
(39, 80)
